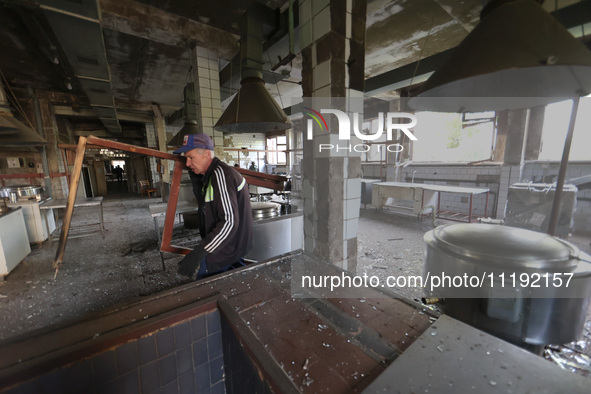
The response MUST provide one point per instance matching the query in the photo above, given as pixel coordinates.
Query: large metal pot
(498, 266)
(14, 192)
(262, 210)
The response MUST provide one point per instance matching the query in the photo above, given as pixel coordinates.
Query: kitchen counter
(276, 236)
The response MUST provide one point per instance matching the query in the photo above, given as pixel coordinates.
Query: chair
(146, 189)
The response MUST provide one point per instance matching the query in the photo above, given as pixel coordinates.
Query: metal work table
(423, 195)
(80, 202)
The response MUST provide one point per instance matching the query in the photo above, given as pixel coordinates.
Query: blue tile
(108, 388)
(187, 382)
(202, 377)
(199, 328)
(205, 390)
(127, 359)
(26, 388)
(182, 335)
(129, 383)
(104, 366)
(184, 360)
(147, 349)
(200, 352)
(53, 382)
(214, 345)
(149, 377)
(171, 388)
(216, 368)
(167, 369)
(165, 342)
(213, 322)
(79, 376)
(220, 388)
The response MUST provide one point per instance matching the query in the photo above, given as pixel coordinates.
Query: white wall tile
(321, 24)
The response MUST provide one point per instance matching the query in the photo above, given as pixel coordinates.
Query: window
(453, 137)
(556, 120)
(116, 163)
(278, 143)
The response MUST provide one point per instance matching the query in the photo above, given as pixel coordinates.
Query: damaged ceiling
(112, 59)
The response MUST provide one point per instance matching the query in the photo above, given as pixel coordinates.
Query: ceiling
(120, 57)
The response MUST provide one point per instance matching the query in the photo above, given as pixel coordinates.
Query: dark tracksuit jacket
(225, 215)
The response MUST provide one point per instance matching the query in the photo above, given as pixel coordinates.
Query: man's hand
(189, 266)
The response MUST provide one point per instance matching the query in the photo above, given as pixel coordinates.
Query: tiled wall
(241, 375)
(185, 358)
(249, 141)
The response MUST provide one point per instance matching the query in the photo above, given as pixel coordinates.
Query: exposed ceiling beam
(65, 110)
(150, 23)
(416, 72)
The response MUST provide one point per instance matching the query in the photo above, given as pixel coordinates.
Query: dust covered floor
(96, 272)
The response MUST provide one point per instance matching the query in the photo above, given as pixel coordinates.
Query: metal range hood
(14, 133)
(253, 110)
(519, 56)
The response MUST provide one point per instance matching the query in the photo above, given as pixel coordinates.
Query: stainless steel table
(80, 202)
(421, 193)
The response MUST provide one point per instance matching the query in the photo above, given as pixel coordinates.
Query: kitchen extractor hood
(519, 56)
(12, 131)
(253, 110)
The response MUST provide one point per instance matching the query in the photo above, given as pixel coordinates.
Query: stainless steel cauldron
(262, 210)
(14, 192)
(499, 261)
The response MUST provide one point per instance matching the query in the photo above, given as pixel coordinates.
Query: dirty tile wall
(241, 375)
(249, 141)
(185, 358)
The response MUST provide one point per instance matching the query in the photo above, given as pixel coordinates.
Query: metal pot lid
(505, 246)
(16, 188)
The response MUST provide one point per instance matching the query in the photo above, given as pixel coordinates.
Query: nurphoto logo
(391, 120)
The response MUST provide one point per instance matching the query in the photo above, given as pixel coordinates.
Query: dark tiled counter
(167, 341)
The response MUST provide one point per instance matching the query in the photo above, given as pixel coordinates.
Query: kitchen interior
(499, 176)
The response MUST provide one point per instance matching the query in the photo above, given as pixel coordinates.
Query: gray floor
(98, 273)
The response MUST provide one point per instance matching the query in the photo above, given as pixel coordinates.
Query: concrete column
(55, 162)
(333, 37)
(207, 94)
(154, 138)
(160, 131)
(516, 129)
(533, 143)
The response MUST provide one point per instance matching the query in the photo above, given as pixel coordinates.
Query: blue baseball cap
(195, 141)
